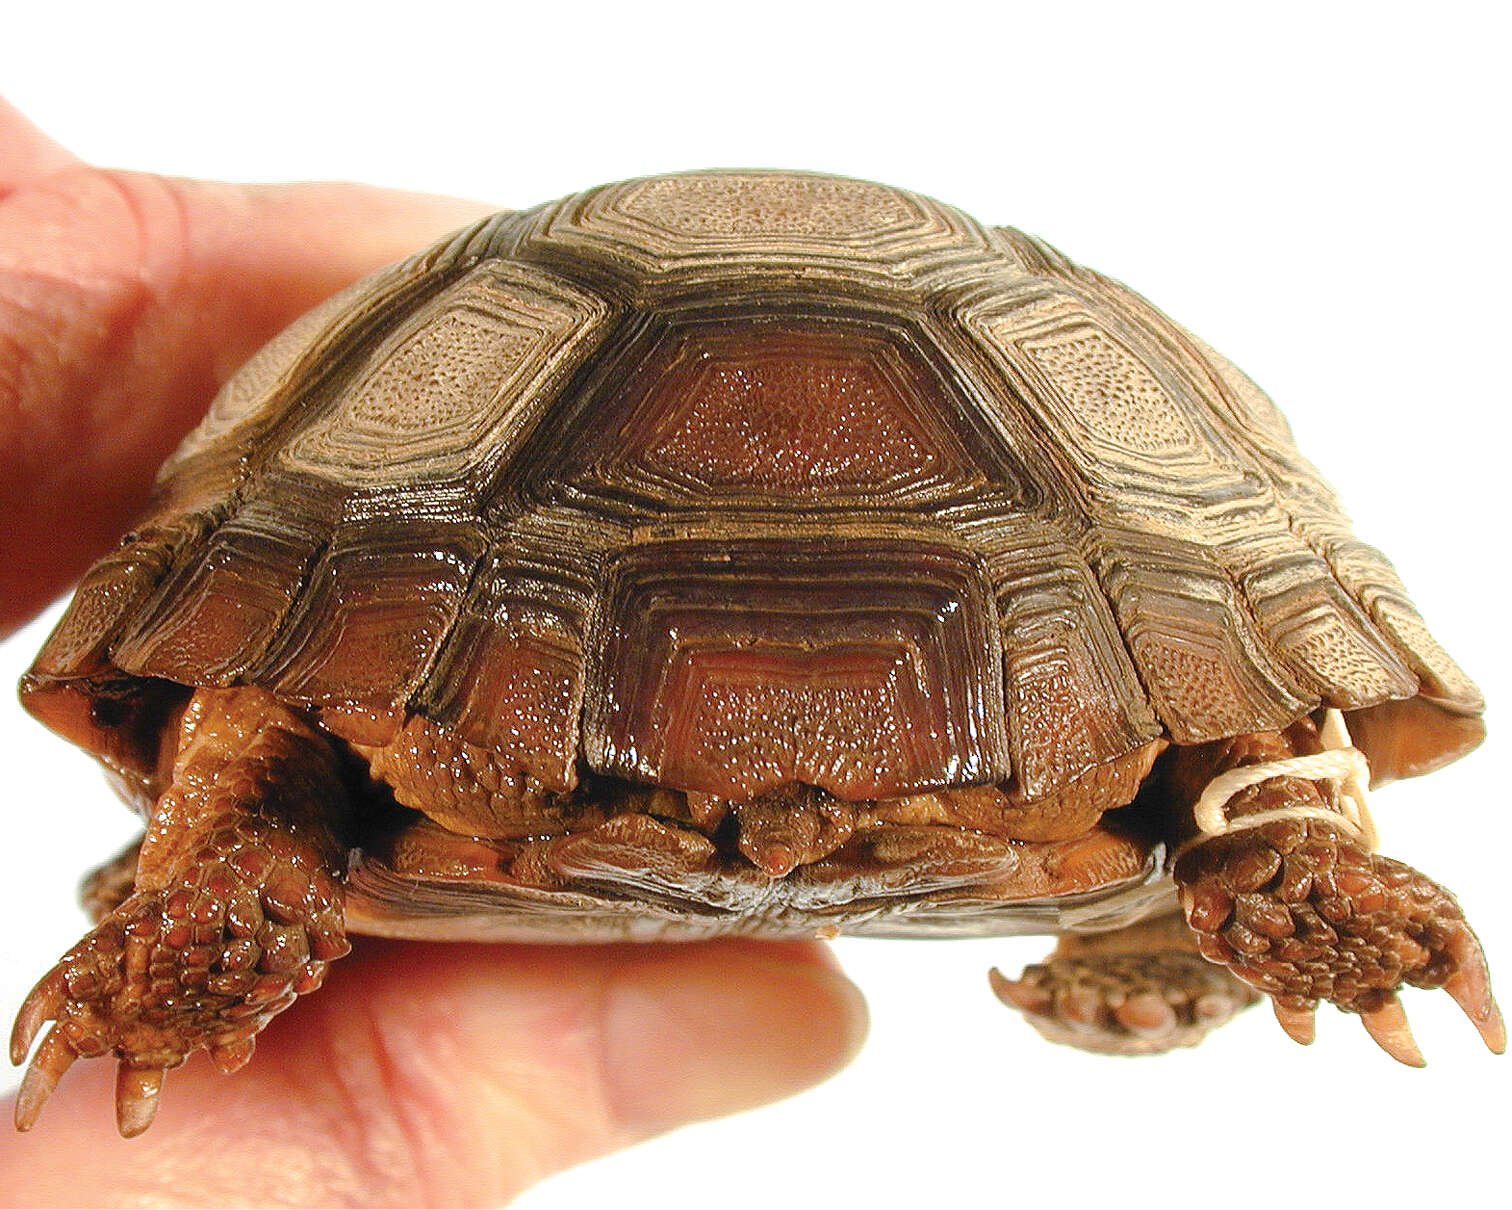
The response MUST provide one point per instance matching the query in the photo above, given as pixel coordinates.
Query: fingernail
(707, 1031)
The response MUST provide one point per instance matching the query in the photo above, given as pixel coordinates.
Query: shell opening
(1339, 762)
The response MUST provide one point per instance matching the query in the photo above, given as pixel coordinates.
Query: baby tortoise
(748, 552)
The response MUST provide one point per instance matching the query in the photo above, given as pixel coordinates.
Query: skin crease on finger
(457, 1075)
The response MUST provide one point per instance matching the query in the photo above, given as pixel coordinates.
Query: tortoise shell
(726, 481)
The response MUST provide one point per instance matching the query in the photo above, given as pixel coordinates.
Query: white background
(1316, 189)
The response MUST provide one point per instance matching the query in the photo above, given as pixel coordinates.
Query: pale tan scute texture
(671, 236)
(266, 371)
(437, 494)
(443, 392)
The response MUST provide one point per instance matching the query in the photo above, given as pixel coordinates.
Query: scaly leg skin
(236, 911)
(1139, 990)
(1301, 912)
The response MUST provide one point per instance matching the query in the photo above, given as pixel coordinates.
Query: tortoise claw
(1336, 922)
(42, 1004)
(1470, 987)
(137, 1092)
(1388, 1026)
(1019, 993)
(1300, 1024)
(233, 1056)
(53, 1058)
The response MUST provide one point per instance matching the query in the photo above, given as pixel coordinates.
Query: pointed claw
(52, 1059)
(1487, 1020)
(1300, 1024)
(137, 1091)
(1470, 986)
(233, 1056)
(1019, 993)
(1388, 1026)
(42, 1004)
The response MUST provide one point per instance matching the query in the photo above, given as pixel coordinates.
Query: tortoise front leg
(1139, 990)
(236, 910)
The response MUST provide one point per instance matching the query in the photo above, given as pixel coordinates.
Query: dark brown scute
(770, 405)
(735, 665)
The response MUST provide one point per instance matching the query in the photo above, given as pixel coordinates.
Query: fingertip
(343, 229)
(26, 152)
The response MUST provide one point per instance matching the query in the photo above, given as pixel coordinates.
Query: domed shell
(724, 479)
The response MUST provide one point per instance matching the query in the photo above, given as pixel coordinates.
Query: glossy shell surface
(724, 481)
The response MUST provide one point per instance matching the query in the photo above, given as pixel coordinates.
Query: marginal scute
(734, 667)
(1074, 696)
(510, 675)
(1207, 671)
(372, 616)
(74, 679)
(1327, 644)
(223, 609)
(110, 594)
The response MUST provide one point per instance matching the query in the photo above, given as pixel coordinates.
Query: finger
(25, 152)
(126, 300)
(456, 1075)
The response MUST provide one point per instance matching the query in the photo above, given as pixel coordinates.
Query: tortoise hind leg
(235, 910)
(1143, 989)
(1303, 912)
(1279, 883)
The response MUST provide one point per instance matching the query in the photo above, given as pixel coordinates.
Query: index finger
(126, 300)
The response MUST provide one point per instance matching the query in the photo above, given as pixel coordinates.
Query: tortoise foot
(1142, 990)
(1303, 913)
(236, 910)
(205, 965)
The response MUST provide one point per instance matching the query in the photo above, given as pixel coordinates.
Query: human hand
(456, 1074)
